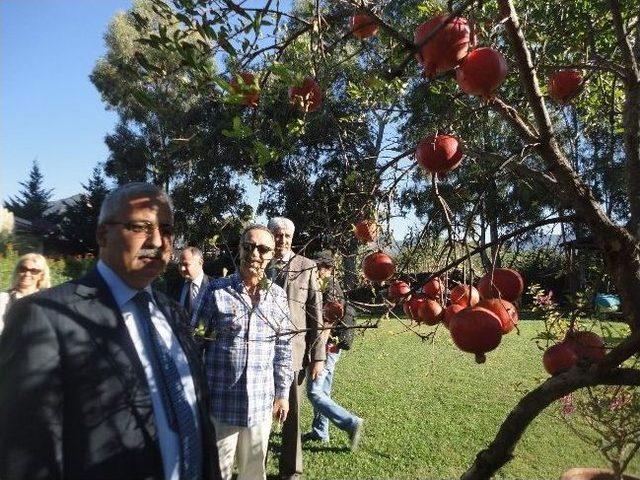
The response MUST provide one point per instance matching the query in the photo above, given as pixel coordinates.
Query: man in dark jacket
(326, 409)
(195, 280)
(100, 378)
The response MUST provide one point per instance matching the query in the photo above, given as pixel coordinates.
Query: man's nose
(155, 239)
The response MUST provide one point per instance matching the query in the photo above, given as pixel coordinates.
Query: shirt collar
(287, 257)
(122, 293)
(198, 279)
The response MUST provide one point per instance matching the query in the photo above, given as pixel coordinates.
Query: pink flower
(567, 405)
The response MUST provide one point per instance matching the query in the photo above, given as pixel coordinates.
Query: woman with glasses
(30, 275)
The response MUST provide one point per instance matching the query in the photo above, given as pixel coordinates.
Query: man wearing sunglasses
(297, 275)
(247, 356)
(100, 376)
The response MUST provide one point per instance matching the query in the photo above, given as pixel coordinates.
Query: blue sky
(49, 109)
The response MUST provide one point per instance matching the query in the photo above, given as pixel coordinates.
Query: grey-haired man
(297, 275)
(100, 377)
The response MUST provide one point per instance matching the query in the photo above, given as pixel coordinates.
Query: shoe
(312, 437)
(355, 434)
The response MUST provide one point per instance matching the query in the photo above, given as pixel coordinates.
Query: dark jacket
(340, 335)
(74, 398)
(177, 293)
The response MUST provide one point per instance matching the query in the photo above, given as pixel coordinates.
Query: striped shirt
(248, 356)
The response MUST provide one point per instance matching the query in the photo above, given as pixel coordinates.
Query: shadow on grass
(325, 448)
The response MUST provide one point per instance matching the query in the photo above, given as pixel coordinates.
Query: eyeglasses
(32, 271)
(145, 228)
(262, 249)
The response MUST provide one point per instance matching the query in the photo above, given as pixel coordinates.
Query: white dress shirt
(123, 295)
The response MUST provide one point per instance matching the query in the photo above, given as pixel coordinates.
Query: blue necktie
(174, 400)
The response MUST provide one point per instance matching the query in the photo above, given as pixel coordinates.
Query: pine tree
(80, 219)
(33, 200)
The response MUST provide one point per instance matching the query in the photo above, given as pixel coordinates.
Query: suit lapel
(104, 320)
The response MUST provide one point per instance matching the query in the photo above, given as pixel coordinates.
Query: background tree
(179, 143)
(80, 218)
(32, 201)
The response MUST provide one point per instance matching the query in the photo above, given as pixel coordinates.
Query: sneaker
(312, 437)
(355, 434)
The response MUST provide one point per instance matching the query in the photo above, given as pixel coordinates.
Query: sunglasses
(145, 228)
(32, 271)
(248, 247)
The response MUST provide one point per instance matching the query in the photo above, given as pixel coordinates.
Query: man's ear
(101, 235)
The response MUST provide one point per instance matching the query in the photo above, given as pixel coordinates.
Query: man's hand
(280, 409)
(316, 369)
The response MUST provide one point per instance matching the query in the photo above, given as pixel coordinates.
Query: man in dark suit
(195, 280)
(100, 378)
(298, 276)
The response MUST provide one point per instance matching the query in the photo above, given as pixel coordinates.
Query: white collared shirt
(123, 295)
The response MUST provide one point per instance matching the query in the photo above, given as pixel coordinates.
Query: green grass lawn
(429, 408)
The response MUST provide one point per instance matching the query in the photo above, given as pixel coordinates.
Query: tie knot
(142, 299)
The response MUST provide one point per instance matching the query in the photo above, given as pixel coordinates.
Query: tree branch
(500, 451)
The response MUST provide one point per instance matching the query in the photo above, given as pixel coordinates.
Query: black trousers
(291, 450)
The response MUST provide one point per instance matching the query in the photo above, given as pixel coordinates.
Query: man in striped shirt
(247, 356)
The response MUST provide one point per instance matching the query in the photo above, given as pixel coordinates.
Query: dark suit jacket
(176, 294)
(74, 399)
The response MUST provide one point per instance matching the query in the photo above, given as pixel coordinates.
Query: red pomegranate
(505, 283)
(587, 345)
(307, 96)
(446, 48)
(559, 358)
(439, 153)
(248, 87)
(476, 330)
(363, 26)
(332, 312)
(482, 72)
(429, 312)
(449, 312)
(366, 230)
(564, 85)
(413, 306)
(398, 291)
(378, 267)
(506, 312)
(433, 288)
(464, 295)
